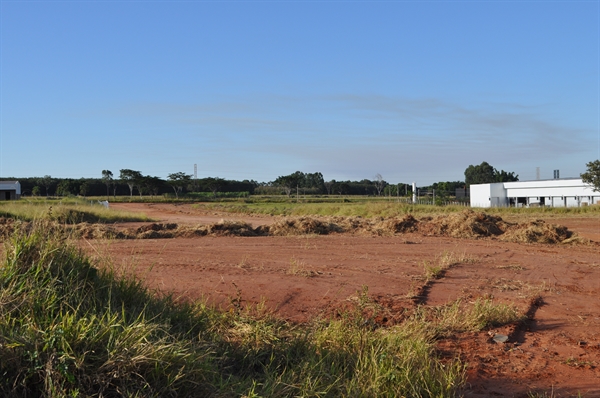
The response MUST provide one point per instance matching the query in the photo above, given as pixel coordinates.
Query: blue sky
(414, 91)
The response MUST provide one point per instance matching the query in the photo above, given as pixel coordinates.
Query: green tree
(36, 191)
(64, 188)
(289, 182)
(46, 182)
(485, 174)
(592, 175)
(83, 189)
(107, 178)
(150, 185)
(178, 181)
(213, 184)
(505, 176)
(131, 178)
(482, 174)
(316, 181)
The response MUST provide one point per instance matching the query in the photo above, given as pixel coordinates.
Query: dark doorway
(7, 195)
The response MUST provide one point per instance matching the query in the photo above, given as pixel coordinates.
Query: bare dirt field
(557, 286)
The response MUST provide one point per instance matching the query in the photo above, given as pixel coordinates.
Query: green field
(373, 207)
(67, 210)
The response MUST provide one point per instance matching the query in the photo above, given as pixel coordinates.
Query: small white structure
(10, 190)
(566, 192)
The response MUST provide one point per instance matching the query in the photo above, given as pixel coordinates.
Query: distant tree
(485, 174)
(314, 181)
(83, 188)
(482, 174)
(46, 181)
(343, 188)
(447, 188)
(504, 176)
(107, 178)
(299, 179)
(150, 185)
(36, 191)
(328, 186)
(289, 182)
(178, 181)
(379, 183)
(213, 184)
(131, 178)
(592, 175)
(64, 188)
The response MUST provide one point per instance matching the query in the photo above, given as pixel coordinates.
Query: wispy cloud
(359, 135)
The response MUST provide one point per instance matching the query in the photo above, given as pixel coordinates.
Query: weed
(298, 268)
(443, 262)
(433, 271)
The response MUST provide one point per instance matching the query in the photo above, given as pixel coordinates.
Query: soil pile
(467, 224)
(222, 228)
(399, 225)
(152, 231)
(303, 226)
(538, 231)
(96, 231)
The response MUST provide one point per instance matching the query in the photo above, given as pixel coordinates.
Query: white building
(10, 190)
(565, 192)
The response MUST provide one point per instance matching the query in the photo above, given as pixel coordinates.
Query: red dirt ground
(558, 286)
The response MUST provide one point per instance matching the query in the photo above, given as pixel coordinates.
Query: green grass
(71, 328)
(69, 210)
(376, 207)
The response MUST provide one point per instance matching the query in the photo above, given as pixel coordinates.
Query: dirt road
(298, 277)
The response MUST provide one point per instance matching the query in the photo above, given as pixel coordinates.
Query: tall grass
(70, 211)
(71, 328)
(380, 208)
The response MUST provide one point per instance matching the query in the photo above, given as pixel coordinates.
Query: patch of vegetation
(460, 317)
(373, 207)
(66, 211)
(71, 328)
(437, 268)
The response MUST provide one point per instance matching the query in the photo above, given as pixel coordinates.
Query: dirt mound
(302, 226)
(467, 224)
(152, 231)
(156, 227)
(537, 231)
(96, 231)
(228, 228)
(399, 225)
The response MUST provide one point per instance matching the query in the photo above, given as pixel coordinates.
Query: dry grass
(298, 268)
(468, 224)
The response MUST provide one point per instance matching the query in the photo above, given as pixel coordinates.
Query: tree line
(134, 182)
